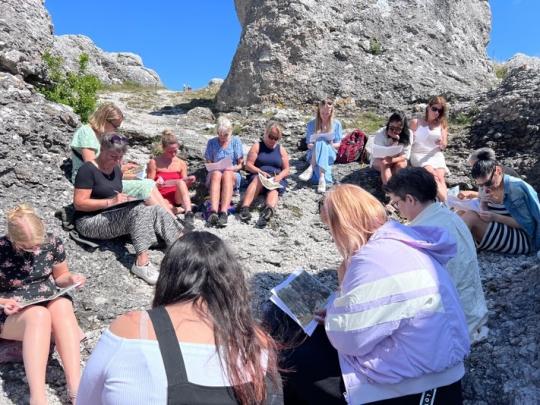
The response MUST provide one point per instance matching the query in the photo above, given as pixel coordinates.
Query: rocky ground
(504, 369)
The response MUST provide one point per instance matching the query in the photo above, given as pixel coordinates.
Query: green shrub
(375, 47)
(367, 121)
(501, 71)
(78, 90)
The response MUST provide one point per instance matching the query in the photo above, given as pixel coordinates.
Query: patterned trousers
(143, 223)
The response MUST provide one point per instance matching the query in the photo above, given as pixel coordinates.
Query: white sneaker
(306, 175)
(321, 188)
(148, 272)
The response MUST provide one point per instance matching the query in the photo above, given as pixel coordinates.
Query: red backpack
(352, 147)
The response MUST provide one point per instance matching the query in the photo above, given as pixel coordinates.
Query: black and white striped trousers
(143, 223)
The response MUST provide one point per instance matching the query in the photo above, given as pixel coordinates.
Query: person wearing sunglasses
(323, 137)
(33, 266)
(269, 159)
(171, 176)
(395, 133)
(104, 211)
(510, 218)
(430, 140)
(85, 146)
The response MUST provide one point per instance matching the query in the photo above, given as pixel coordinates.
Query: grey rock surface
(379, 53)
(109, 67)
(26, 32)
(508, 118)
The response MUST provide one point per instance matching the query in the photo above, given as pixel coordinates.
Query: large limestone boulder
(25, 33)
(109, 67)
(509, 118)
(381, 53)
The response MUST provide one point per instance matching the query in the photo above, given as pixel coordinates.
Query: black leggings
(311, 373)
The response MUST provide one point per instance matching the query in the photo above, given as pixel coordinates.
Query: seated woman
(271, 160)
(321, 153)
(395, 309)
(396, 133)
(85, 147)
(98, 188)
(171, 176)
(33, 266)
(510, 222)
(170, 353)
(221, 183)
(430, 140)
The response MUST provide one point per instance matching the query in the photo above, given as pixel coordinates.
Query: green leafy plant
(375, 47)
(501, 71)
(78, 90)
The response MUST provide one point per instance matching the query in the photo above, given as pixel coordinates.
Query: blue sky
(192, 41)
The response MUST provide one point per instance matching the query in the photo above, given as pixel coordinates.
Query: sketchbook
(58, 293)
(299, 296)
(269, 183)
(223, 164)
(379, 151)
(327, 136)
(463, 205)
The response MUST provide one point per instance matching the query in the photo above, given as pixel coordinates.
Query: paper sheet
(269, 183)
(299, 296)
(327, 136)
(57, 294)
(379, 151)
(463, 205)
(223, 164)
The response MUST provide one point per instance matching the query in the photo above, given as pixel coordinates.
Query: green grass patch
(368, 121)
(501, 71)
(375, 47)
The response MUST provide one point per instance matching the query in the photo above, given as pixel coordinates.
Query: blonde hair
(24, 226)
(168, 138)
(274, 126)
(105, 113)
(318, 119)
(224, 124)
(442, 116)
(353, 215)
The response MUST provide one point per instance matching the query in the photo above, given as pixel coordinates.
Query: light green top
(85, 138)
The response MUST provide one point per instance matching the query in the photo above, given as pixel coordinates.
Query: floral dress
(25, 275)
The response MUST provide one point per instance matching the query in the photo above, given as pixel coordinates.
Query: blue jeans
(325, 156)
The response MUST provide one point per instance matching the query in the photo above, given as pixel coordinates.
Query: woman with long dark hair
(510, 219)
(201, 302)
(395, 133)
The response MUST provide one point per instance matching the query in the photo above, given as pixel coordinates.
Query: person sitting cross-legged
(269, 159)
(413, 192)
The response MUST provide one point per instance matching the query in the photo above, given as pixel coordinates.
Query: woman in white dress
(430, 139)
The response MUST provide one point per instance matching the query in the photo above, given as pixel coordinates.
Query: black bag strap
(168, 346)
(76, 153)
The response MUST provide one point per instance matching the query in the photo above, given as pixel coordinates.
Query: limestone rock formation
(379, 52)
(25, 33)
(509, 118)
(109, 67)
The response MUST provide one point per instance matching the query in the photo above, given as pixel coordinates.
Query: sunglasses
(273, 137)
(488, 183)
(437, 110)
(114, 124)
(119, 139)
(33, 249)
(326, 102)
(394, 128)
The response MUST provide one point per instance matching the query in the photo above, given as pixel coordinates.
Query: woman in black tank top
(267, 159)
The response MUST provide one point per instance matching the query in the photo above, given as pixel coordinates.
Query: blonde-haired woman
(221, 183)
(171, 176)
(395, 309)
(85, 147)
(323, 136)
(33, 265)
(430, 140)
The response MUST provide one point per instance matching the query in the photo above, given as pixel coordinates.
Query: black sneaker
(222, 220)
(265, 216)
(212, 218)
(189, 220)
(245, 215)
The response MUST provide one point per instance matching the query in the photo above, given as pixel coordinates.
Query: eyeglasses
(437, 110)
(119, 139)
(393, 128)
(326, 102)
(488, 183)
